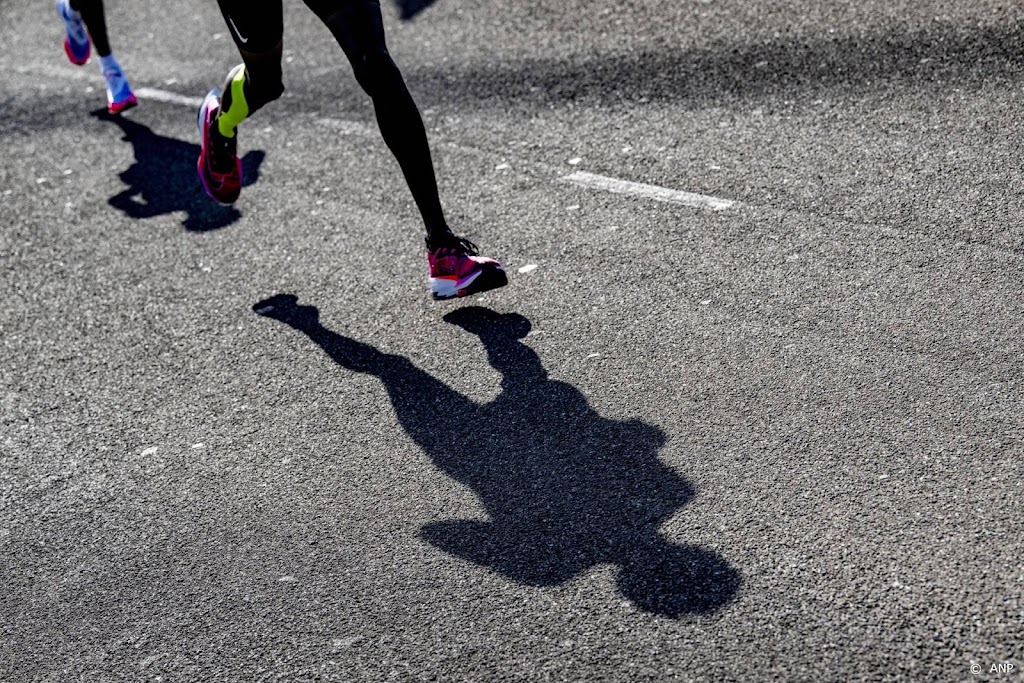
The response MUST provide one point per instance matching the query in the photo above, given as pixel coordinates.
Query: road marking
(594, 181)
(580, 178)
(158, 95)
(591, 181)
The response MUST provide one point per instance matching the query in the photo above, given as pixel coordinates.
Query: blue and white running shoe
(119, 94)
(76, 43)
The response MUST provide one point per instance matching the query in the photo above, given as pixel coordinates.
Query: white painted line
(660, 194)
(528, 268)
(581, 178)
(158, 95)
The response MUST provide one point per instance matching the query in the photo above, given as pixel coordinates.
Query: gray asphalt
(781, 441)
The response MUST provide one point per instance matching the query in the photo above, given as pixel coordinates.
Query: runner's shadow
(408, 9)
(565, 489)
(163, 178)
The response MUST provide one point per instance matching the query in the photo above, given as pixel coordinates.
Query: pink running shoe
(220, 169)
(456, 270)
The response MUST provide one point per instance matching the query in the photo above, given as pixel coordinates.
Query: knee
(376, 72)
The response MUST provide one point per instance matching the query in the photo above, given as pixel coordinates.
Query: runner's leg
(95, 21)
(359, 30)
(119, 93)
(256, 27)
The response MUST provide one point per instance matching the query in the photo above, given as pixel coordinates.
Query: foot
(119, 95)
(220, 169)
(456, 270)
(285, 307)
(76, 42)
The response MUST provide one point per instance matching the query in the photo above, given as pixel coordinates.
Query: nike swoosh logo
(242, 39)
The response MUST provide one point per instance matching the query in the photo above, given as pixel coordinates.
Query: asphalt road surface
(750, 409)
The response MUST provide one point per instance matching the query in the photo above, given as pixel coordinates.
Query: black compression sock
(439, 239)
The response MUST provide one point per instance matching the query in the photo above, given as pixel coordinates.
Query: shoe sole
(123, 105)
(484, 280)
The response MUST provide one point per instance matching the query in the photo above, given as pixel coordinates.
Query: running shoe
(457, 270)
(220, 169)
(76, 43)
(119, 95)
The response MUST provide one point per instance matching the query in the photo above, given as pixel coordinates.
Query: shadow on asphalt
(565, 488)
(935, 57)
(163, 178)
(408, 9)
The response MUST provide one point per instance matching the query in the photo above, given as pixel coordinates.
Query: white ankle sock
(109, 63)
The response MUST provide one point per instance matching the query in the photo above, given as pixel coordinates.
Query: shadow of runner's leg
(408, 9)
(431, 413)
(162, 179)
